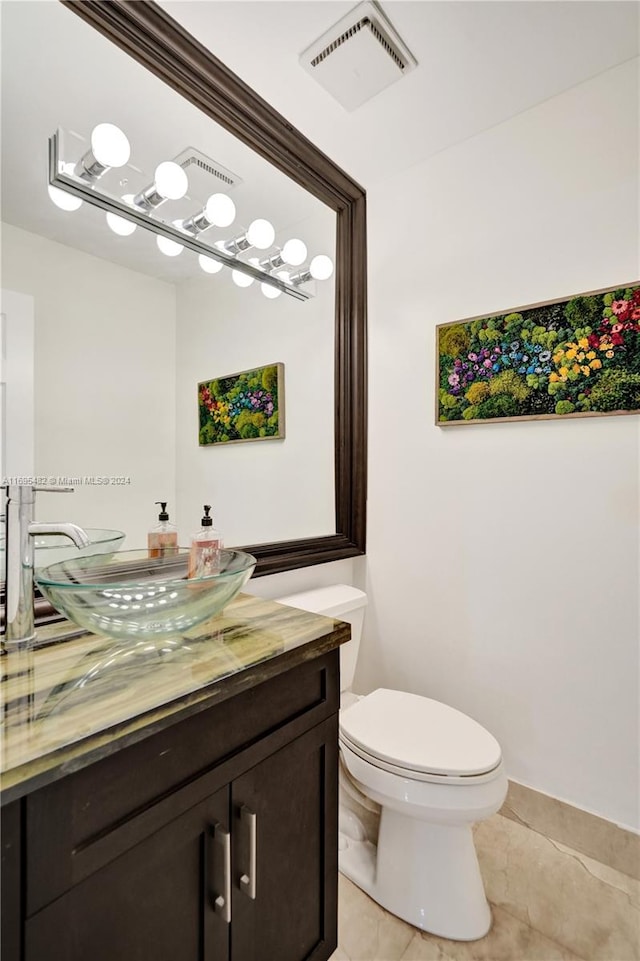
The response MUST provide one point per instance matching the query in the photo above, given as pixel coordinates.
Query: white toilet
(434, 772)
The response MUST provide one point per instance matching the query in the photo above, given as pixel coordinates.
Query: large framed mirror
(116, 369)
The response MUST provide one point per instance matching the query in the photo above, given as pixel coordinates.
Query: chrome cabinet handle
(248, 881)
(221, 903)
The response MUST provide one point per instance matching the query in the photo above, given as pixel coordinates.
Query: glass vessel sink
(54, 548)
(129, 595)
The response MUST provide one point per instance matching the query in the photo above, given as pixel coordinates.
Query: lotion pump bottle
(162, 539)
(204, 558)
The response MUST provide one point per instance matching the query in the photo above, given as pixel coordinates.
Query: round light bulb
(62, 199)
(321, 267)
(209, 265)
(170, 180)
(109, 145)
(168, 246)
(270, 292)
(240, 279)
(220, 210)
(294, 252)
(120, 226)
(261, 234)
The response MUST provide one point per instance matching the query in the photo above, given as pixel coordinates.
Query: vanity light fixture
(293, 253)
(72, 182)
(170, 182)
(109, 148)
(219, 211)
(209, 265)
(240, 279)
(270, 292)
(260, 234)
(320, 268)
(63, 200)
(120, 226)
(168, 247)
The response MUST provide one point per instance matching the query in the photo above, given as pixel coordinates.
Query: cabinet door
(156, 902)
(284, 829)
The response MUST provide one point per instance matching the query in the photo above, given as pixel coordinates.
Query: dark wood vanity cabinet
(148, 903)
(212, 840)
(296, 854)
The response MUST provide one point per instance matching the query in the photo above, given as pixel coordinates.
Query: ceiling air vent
(206, 174)
(360, 56)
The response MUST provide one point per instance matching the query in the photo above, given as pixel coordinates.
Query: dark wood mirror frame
(155, 40)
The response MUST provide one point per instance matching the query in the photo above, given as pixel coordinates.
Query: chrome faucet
(19, 527)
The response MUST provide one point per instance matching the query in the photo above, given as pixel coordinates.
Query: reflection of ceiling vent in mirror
(206, 176)
(360, 56)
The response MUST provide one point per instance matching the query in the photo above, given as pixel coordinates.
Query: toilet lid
(418, 734)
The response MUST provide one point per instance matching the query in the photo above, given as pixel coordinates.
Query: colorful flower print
(576, 356)
(619, 306)
(241, 406)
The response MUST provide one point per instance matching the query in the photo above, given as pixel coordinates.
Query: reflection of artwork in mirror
(242, 407)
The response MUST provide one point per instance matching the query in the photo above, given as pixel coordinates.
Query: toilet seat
(418, 776)
(419, 738)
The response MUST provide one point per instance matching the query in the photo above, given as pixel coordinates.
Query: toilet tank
(345, 603)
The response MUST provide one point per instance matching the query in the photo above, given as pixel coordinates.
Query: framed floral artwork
(242, 407)
(578, 357)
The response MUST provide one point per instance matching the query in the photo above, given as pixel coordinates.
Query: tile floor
(549, 903)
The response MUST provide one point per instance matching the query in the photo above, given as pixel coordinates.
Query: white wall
(267, 490)
(104, 357)
(16, 384)
(503, 559)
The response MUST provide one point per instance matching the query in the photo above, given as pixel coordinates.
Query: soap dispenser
(206, 544)
(162, 540)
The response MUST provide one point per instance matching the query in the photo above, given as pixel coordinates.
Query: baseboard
(588, 833)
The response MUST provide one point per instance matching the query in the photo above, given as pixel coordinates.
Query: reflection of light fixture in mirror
(293, 253)
(109, 148)
(270, 292)
(260, 234)
(170, 182)
(171, 238)
(219, 211)
(63, 200)
(240, 279)
(120, 226)
(209, 265)
(168, 247)
(320, 268)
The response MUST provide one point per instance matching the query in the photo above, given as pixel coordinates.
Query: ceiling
(81, 79)
(479, 63)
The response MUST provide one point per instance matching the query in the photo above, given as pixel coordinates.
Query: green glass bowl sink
(129, 595)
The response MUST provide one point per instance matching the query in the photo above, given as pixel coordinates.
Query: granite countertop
(77, 697)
